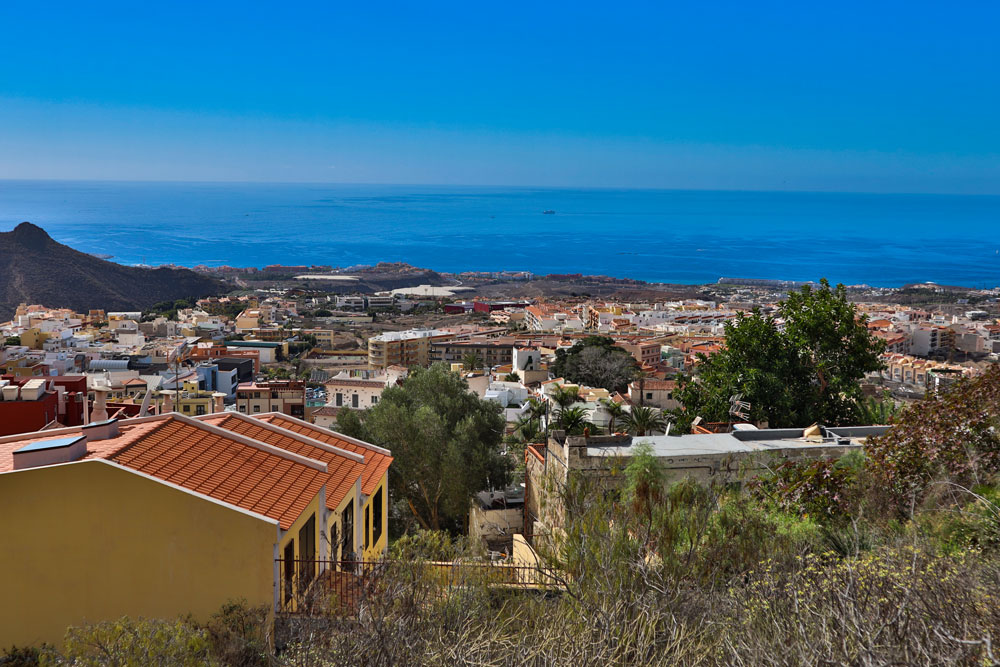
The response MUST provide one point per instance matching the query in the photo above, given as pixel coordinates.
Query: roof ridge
(336, 434)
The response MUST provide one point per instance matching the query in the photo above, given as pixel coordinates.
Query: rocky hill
(36, 269)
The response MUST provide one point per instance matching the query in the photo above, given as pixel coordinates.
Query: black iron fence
(343, 587)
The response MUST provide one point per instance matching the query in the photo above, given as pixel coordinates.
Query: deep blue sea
(655, 235)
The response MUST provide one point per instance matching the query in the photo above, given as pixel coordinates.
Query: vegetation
(813, 564)
(596, 361)
(805, 371)
(644, 420)
(445, 440)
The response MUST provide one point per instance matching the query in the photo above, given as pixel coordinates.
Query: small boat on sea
(548, 212)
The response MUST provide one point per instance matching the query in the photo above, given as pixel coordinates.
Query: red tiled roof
(377, 460)
(223, 468)
(342, 472)
(195, 456)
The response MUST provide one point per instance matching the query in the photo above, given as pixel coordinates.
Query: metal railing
(342, 587)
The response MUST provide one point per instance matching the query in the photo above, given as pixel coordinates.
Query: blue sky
(851, 96)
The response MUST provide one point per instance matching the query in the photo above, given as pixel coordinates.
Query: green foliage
(616, 414)
(23, 656)
(137, 642)
(573, 420)
(322, 312)
(512, 377)
(645, 420)
(597, 362)
(12, 340)
(432, 545)
(803, 372)
(825, 488)
(875, 410)
(471, 361)
(952, 435)
(445, 440)
(238, 635)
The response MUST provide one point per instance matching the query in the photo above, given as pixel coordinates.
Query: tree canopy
(799, 366)
(597, 362)
(446, 443)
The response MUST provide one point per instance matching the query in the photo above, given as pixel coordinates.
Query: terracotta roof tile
(342, 471)
(376, 462)
(190, 455)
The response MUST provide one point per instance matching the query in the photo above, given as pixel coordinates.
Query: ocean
(655, 235)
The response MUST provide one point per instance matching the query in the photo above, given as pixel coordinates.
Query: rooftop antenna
(738, 407)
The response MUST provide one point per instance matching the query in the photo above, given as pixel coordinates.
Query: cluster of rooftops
(270, 464)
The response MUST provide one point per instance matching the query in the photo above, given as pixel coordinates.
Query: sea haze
(655, 235)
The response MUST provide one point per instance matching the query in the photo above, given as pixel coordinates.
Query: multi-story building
(404, 348)
(490, 351)
(33, 403)
(283, 396)
(360, 389)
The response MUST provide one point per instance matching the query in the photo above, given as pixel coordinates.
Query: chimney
(100, 411)
(218, 398)
(168, 401)
(103, 430)
(10, 392)
(50, 452)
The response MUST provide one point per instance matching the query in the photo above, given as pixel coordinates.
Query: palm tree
(512, 377)
(572, 420)
(472, 362)
(536, 408)
(616, 412)
(565, 396)
(643, 420)
(528, 429)
(877, 410)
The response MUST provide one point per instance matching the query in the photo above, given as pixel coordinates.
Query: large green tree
(597, 362)
(801, 365)
(446, 442)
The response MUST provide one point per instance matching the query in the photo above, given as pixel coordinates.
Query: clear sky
(851, 96)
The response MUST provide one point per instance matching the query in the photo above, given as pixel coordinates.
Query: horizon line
(494, 185)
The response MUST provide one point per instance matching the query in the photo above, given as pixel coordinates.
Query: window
(199, 409)
(367, 526)
(649, 395)
(334, 541)
(377, 516)
(307, 552)
(340, 399)
(243, 408)
(347, 521)
(374, 400)
(354, 400)
(275, 407)
(256, 408)
(289, 563)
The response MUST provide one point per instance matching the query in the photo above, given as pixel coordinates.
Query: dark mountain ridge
(36, 269)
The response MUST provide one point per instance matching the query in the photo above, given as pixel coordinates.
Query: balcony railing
(342, 588)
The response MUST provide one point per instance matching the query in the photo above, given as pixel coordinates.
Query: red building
(31, 403)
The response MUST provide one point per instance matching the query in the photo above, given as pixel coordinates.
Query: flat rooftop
(739, 442)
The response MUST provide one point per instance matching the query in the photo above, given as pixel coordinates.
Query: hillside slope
(36, 269)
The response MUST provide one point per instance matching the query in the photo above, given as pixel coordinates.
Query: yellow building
(167, 515)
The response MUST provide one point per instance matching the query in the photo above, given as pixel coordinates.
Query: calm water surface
(656, 235)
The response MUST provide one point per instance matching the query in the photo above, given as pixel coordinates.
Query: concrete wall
(494, 522)
(92, 541)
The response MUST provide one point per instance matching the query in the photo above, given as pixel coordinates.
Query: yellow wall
(33, 338)
(376, 549)
(91, 541)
